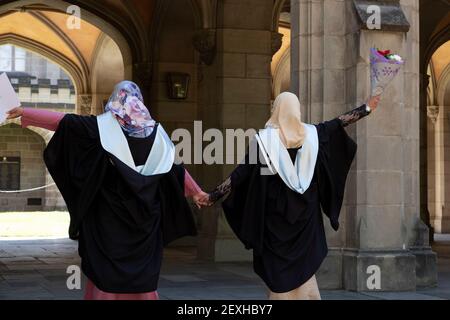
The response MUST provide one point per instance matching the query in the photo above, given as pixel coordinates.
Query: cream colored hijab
(286, 116)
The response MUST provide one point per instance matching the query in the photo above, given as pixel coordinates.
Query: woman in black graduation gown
(125, 195)
(291, 171)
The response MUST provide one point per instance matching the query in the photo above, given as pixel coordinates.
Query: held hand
(15, 113)
(373, 102)
(201, 200)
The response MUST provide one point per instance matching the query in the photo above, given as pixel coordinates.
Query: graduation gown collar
(113, 140)
(297, 176)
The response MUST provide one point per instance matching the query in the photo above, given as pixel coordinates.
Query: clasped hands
(202, 199)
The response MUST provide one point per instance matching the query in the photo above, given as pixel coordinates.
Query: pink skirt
(93, 293)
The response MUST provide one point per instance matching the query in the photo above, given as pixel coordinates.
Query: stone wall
(23, 143)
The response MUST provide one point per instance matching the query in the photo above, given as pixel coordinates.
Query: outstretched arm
(239, 174)
(37, 117)
(359, 113)
(192, 189)
(220, 191)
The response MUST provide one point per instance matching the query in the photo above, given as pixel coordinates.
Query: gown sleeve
(191, 188)
(243, 207)
(336, 153)
(354, 115)
(45, 119)
(177, 219)
(73, 159)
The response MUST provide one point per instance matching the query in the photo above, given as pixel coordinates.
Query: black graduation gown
(121, 218)
(285, 229)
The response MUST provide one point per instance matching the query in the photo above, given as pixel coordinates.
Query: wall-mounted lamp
(178, 85)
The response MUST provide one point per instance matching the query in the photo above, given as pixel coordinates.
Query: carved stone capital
(205, 43)
(433, 113)
(277, 41)
(85, 103)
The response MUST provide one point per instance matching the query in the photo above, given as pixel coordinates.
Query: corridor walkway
(36, 270)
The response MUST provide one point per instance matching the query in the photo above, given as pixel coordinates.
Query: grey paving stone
(5, 254)
(401, 296)
(344, 295)
(19, 260)
(37, 270)
(182, 278)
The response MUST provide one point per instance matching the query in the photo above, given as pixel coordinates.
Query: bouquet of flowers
(384, 66)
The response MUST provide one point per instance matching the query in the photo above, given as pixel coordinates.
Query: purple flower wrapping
(382, 71)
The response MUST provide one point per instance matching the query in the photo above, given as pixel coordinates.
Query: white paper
(8, 97)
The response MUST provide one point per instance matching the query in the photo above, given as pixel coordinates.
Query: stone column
(435, 168)
(307, 55)
(424, 136)
(443, 224)
(438, 169)
(380, 221)
(320, 77)
(205, 43)
(84, 104)
(386, 229)
(243, 92)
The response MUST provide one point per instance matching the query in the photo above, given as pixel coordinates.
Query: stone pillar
(321, 77)
(243, 91)
(380, 220)
(385, 226)
(307, 55)
(84, 105)
(435, 167)
(205, 43)
(424, 127)
(443, 224)
(438, 169)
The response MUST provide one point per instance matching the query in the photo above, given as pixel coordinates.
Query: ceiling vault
(64, 37)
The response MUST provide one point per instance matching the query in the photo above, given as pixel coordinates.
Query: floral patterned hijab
(127, 104)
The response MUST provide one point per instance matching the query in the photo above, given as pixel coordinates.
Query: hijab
(286, 116)
(127, 104)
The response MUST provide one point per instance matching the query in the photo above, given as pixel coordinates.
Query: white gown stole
(297, 176)
(113, 140)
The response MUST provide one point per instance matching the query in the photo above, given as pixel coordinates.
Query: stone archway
(438, 194)
(434, 31)
(92, 12)
(79, 77)
(121, 29)
(107, 69)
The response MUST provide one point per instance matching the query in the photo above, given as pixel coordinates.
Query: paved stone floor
(37, 270)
